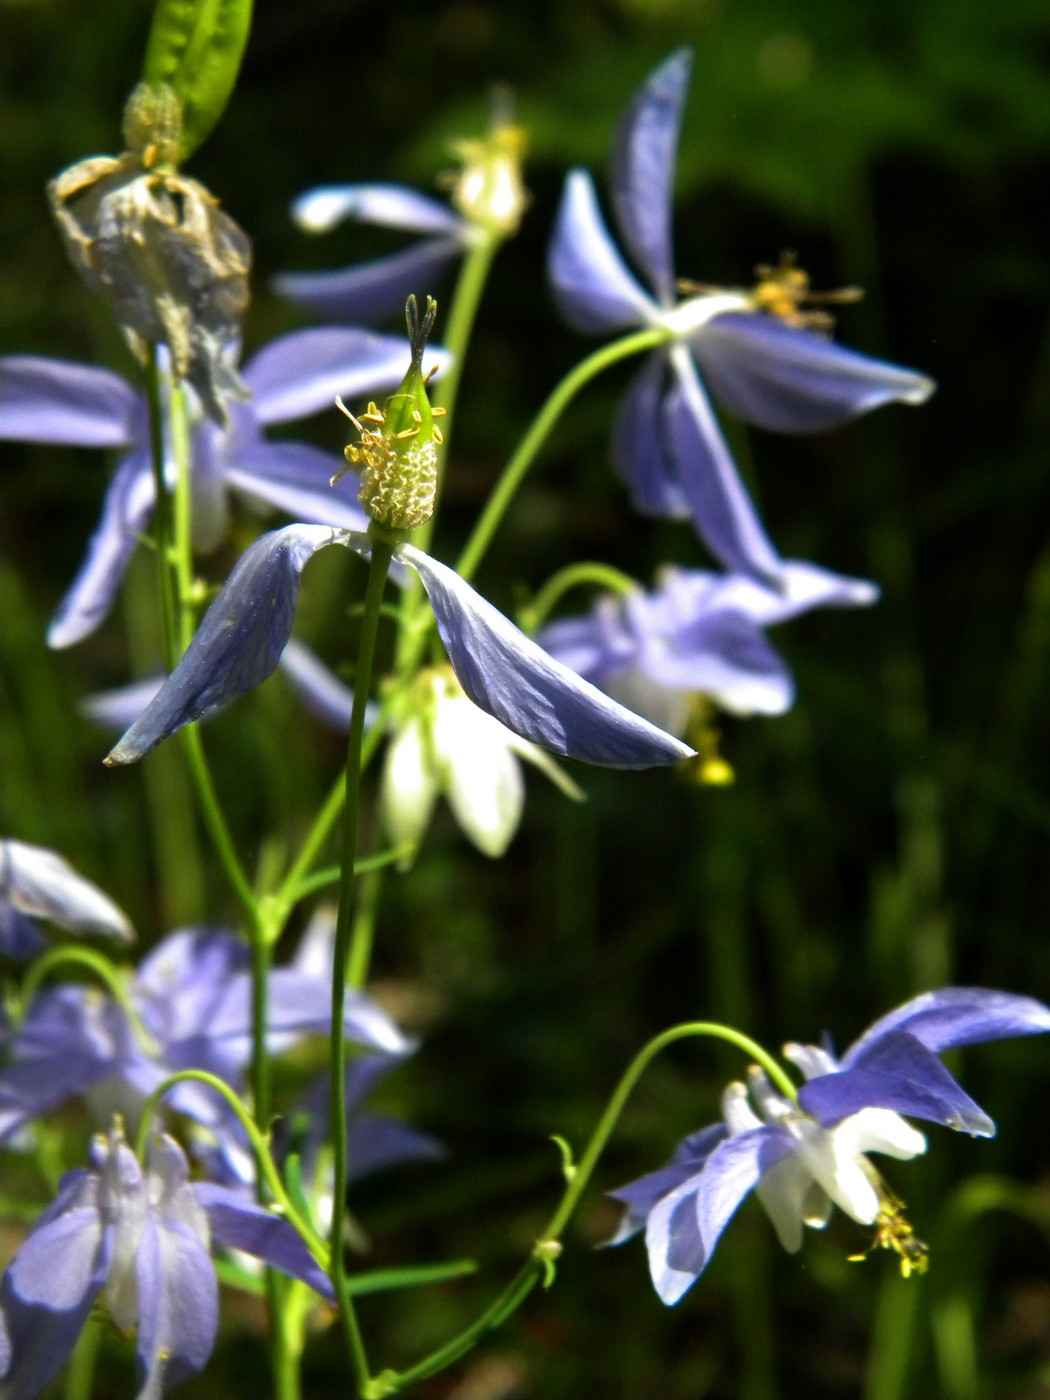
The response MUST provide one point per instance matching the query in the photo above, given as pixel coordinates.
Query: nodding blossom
(188, 1006)
(803, 1156)
(139, 1241)
(756, 351)
(502, 671)
(698, 634)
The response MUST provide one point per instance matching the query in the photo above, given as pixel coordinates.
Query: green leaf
(195, 46)
(381, 1280)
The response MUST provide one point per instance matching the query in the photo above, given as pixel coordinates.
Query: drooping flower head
(801, 1157)
(771, 369)
(188, 1006)
(444, 744)
(502, 671)
(139, 1240)
(698, 635)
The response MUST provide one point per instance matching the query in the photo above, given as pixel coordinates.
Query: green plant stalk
(573, 576)
(363, 934)
(80, 1374)
(211, 809)
(540, 1264)
(162, 531)
(462, 314)
(383, 545)
(260, 1146)
(95, 962)
(557, 401)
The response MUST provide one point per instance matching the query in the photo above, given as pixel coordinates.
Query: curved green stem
(573, 576)
(383, 545)
(516, 469)
(547, 1248)
(267, 1169)
(95, 962)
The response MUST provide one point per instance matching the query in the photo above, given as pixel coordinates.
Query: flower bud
(171, 264)
(399, 443)
(489, 188)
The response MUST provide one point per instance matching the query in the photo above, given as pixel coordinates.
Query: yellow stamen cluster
(708, 768)
(399, 476)
(782, 291)
(893, 1231)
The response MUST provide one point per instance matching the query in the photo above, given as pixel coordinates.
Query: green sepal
(196, 46)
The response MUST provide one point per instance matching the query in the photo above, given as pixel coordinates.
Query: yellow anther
(782, 291)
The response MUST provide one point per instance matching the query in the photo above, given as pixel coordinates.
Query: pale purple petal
(44, 400)
(118, 708)
(643, 457)
(301, 373)
(642, 170)
(45, 1302)
(239, 1223)
(372, 291)
(685, 1226)
(802, 587)
(723, 514)
(301, 1004)
(125, 513)
(375, 1142)
(178, 1297)
(792, 380)
(593, 287)
(954, 1016)
(239, 640)
(510, 677)
(42, 883)
(297, 479)
(898, 1072)
(389, 206)
(642, 1195)
(181, 984)
(19, 937)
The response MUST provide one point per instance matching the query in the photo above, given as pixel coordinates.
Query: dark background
(888, 835)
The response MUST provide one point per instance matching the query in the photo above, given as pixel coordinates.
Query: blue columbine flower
(374, 290)
(52, 401)
(698, 633)
(140, 1240)
(667, 444)
(191, 1009)
(36, 883)
(802, 1158)
(502, 671)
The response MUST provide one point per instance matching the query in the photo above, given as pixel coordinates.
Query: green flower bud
(171, 264)
(398, 446)
(489, 188)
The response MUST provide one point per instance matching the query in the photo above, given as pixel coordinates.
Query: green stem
(80, 1376)
(363, 934)
(260, 1146)
(218, 829)
(573, 576)
(95, 962)
(547, 1248)
(383, 545)
(469, 287)
(162, 532)
(515, 471)
(183, 533)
